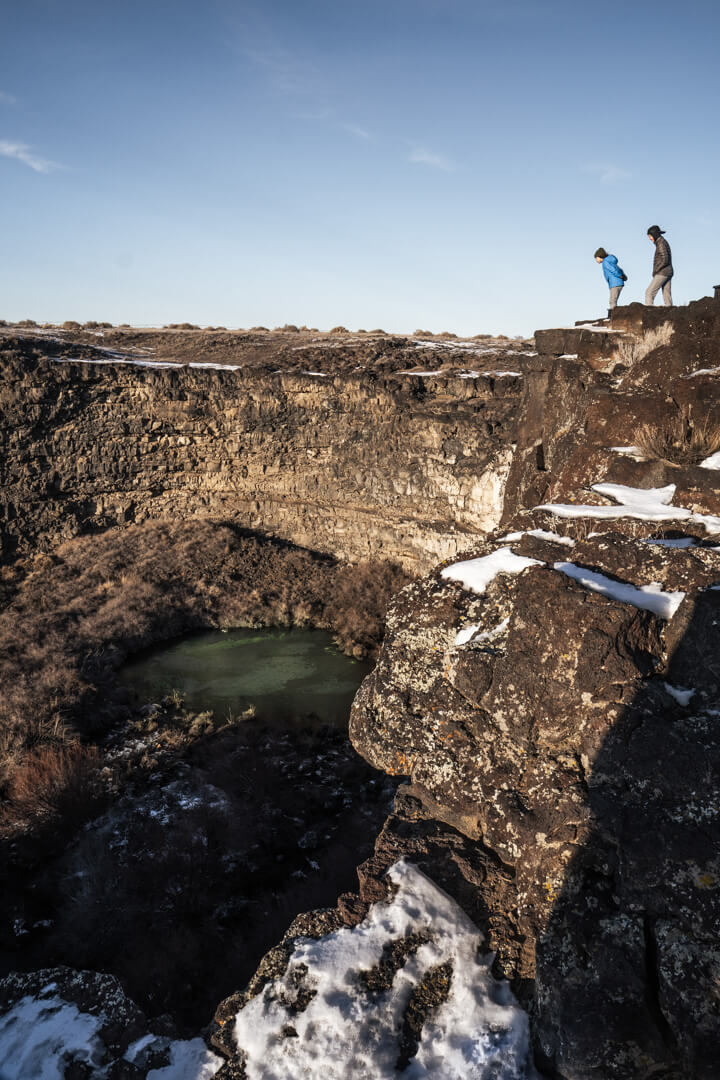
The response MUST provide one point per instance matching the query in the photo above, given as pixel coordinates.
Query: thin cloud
(22, 152)
(356, 130)
(7, 99)
(607, 173)
(420, 156)
(285, 72)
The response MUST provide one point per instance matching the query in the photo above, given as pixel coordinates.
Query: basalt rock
(562, 738)
(341, 449)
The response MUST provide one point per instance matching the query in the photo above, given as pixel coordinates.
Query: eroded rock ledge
(334, 446)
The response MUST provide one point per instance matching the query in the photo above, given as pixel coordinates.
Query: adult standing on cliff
(662, 267)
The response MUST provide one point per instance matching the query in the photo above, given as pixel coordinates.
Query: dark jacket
(662, 263)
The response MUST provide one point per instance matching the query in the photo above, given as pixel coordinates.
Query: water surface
(286, 674)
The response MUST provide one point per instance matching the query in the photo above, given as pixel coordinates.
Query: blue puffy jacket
(611, 270)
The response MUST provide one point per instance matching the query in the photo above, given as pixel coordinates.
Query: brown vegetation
(73, 616)
(632, 351)
(53, 784)
(680, 440)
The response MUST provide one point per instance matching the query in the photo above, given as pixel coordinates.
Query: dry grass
(681, 439)
(631, 352)
(53, 783)
(77, 614)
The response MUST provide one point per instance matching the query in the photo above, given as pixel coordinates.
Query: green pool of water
(286, 674)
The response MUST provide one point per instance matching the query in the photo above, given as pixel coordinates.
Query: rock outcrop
(573, 735)
(357, 457)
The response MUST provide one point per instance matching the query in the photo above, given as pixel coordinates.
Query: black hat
(601, 253)
(656, 232)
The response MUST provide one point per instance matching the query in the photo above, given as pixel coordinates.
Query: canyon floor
(525, 537)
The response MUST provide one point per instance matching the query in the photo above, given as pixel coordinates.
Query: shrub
(71, 324)
(289, 328)
(339, 330)
(632, 351)
(54, 783)
(358, 604)
(681, 439)
(26, 322)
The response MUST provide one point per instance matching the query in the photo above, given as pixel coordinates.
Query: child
(614, 276)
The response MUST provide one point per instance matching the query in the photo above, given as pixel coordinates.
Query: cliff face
(367, 464)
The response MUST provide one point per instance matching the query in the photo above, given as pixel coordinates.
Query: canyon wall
(363, 465)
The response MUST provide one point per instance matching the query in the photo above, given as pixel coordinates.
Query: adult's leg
(615, 295)
(667, 293)
(654, 288)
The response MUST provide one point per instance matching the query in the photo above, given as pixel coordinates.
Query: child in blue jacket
(614, 276)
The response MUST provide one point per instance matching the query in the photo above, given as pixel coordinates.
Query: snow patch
(628, 451)
(115, 360)
(37, 1034)
(681, 695)
(703, 371)
(645, 504)
(541, 534)
(712, 462)
(648, 597)
(189, 1060)
(476, 574)
(468, 633)
(216, 367)
(345, 1031)
(681, 542)
(420, 374)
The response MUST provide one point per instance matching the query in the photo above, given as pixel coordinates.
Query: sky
(396, 164)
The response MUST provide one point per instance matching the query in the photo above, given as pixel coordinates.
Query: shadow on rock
(628, 968)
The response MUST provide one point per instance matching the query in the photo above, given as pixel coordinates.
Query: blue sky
(392, 163)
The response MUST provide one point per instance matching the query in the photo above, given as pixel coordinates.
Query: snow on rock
(476, 574)
(42, 1036)
(681, 542)
(649, 597)
(421, 374)
(703, 371)
(541, 534)
(644, 504)
(39, 1035)
(648, 504)
(189, 1060)
(323, 1021)
(114, 360)
(120, 358)
(628, 451)
(681, 695)
(468, 633)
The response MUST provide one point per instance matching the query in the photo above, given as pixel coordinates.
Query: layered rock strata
(373, 462)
